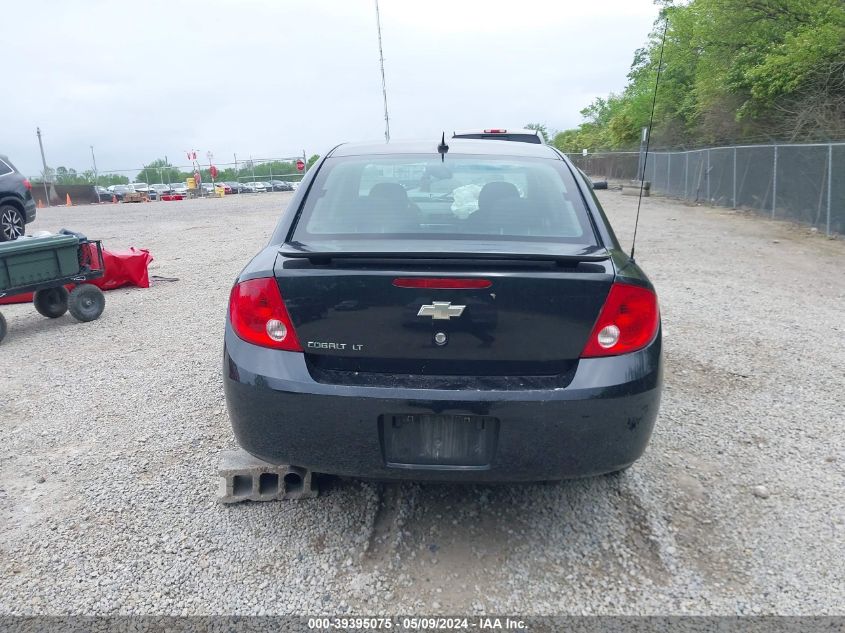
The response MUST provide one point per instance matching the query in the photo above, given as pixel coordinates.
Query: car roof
(485, 147)
(6, 160)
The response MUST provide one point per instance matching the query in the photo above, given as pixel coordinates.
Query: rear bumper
(601, 422)
(29, 207)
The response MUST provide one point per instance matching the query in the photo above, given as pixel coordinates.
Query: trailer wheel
(86, 302)
(3, 327)
(51, 302)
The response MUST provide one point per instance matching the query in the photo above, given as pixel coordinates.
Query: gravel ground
(112, 430)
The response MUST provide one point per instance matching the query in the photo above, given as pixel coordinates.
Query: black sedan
(119, 191)
(101, 194)
(477, 322)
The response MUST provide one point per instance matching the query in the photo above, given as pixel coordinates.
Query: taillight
(627, 322)
(27, 184)
(259, 316)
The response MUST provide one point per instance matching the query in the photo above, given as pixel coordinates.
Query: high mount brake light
(496, 131)
(442, 284)
(627, 322)
(259, 316)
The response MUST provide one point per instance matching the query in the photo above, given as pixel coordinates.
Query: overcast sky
(269, 78)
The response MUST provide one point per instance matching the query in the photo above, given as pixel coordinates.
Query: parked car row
(120, 191)
(261, 186)
(157, 190)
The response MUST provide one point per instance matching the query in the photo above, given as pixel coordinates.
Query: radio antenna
(648, 135)
(443, 148)
(383, 82)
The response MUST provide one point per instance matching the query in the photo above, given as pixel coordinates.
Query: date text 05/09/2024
(417, 624)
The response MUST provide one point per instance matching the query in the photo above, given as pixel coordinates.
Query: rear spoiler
(587, 254)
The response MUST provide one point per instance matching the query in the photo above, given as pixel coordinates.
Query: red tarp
(123, 268)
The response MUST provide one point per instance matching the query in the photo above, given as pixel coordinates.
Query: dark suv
(17, 207)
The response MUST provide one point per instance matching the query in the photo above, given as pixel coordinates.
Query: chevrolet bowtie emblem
(443, 310)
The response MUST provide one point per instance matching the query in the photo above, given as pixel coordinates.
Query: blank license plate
(438, 440)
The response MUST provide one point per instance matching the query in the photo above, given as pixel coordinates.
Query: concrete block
(244, 477)
(632, 188)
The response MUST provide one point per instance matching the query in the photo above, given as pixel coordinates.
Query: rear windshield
(465, 197)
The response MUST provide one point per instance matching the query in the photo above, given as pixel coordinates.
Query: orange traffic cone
(114, 199)
(67, 200)
(38, 204)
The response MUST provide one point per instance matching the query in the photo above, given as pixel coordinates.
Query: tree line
(733, 71)
(161, 171)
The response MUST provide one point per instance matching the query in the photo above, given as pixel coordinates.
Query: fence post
(775, 182)
(668, 172)
(829, 186)
(708, 175)
(734, 180)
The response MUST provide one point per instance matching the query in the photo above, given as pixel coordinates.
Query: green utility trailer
(44, 266)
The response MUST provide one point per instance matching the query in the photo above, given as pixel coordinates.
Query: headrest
(495, 191)
(392, 191)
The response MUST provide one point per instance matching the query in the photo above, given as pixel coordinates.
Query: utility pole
(96, 181)
(210, 157)
(641, 162)
(47, 176)
(383, 82)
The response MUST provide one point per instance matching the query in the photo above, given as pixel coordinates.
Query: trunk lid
(351, 311)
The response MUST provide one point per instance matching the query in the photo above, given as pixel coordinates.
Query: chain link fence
(250, 169)
(800, 182)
